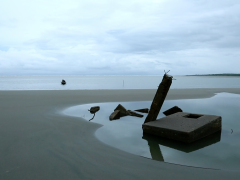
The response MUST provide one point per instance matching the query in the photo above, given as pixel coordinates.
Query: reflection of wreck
(154, 141)
(180, 126)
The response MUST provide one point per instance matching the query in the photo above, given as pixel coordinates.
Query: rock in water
(94, 109)
(172, 110)
(115, 115)
(132, 113)
(123, 111)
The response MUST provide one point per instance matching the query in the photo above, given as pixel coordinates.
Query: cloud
(119, 37)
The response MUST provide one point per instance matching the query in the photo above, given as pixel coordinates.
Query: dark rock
(185, 127)
(63, 82)
(132, 113)
(94, 109)
(115, 115)
(123, 111)
(172, 110)
(145, 110)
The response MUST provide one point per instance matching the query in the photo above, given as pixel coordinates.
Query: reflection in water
(220, 150)
(155, 151)
(92, 117)
(154, 142)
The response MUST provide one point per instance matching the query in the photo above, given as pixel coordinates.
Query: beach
(38, 142)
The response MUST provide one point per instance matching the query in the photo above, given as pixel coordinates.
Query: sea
(75, 82)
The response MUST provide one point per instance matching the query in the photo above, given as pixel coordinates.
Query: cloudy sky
(141, 37)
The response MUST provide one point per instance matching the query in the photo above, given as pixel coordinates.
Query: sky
(119, 37)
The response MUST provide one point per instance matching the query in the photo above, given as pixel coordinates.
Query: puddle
(219, 151)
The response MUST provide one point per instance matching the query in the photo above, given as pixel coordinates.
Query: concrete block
(184, 127)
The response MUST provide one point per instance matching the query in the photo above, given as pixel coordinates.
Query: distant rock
(63, 82)
(172, 110)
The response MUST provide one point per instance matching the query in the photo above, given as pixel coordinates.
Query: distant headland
(224, 74)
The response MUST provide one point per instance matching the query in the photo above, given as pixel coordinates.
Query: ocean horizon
(85, 82)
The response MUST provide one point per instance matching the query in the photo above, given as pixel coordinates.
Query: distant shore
(215, 75)
(38, 142)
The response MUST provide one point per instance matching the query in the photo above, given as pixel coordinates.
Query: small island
(224, 74)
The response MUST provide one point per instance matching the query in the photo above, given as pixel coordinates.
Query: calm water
(112, 82)
(220, 151)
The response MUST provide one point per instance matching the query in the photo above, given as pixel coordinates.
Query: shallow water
(112, 82)
(219, 151)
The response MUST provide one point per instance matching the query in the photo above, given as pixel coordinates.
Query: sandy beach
(37, 142)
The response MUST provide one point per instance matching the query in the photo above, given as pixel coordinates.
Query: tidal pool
(219, 151)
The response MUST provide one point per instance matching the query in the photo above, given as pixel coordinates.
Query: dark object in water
(172, 110)
(94, 109)
(145, 110)
(184, 127)
(132, 113)
(115, 115)
(123, 111)
(119, 111)
(159, 98)
(63, 82)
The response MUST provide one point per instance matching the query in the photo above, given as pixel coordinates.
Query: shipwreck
(180, 126)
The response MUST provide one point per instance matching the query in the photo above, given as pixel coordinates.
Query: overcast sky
(141, 37)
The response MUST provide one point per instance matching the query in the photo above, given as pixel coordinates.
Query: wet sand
(38, 142)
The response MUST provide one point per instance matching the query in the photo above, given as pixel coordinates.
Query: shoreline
(38, 143)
